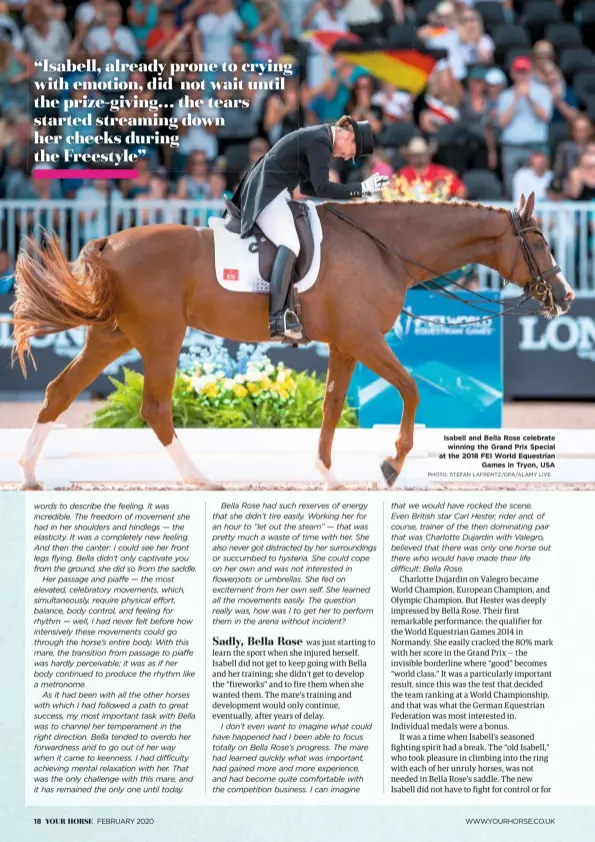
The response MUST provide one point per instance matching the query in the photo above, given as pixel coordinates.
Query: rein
(539, 283)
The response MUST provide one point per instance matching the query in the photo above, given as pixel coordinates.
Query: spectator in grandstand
(16, 68)
(441, 33)
(443, 98)
(266, 38)
(24, 186)
(326, 15)
(112, 41)
(475, 106)
(395, 106)
(379, 164)
(218, 185)
(219, 29)
(495, 80)
(158, 191)
(164, 31)
(195, 132)
(328, 101)
(524, 112)
(284, 112)
(293, 12)
(187, 11)
(360, 105)
(364, 17)
(132, 188)
(89, 14)
(143, 16)
(256, 149)
(421, 177)
(6, 273)
(495, 83)
(16, 160)
(569, 151)
(475, 46)
(93, 218)
(9, 28)
(217, 192)
(78, 108)
(45, 37)
(195, 184)
(546, 71)
(536, 178)
(580, 184)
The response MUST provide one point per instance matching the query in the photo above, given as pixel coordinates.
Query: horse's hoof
(389, 473)
(201, 485)
(331, 483)
(30, 486)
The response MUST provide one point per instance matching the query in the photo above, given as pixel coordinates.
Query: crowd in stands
(508, 108)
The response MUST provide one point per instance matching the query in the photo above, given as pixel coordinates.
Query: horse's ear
(521, 204)
(529, 207)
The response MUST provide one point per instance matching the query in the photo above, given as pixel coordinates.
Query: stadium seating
(397, 135)
(482, 185)
(423, 9)
(538, 15)
(491, 13)
(575, 59)
(562, 36)
(587, 22)
(508, 35)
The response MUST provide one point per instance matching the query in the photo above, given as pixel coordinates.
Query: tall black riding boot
(283, 322)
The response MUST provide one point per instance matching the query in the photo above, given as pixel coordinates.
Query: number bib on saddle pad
(240, 267)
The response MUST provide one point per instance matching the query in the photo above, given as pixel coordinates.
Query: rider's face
(344, 145)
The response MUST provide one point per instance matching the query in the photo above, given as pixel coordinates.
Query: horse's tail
(53, 295)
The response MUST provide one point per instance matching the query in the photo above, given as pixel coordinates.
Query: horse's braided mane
(428, 202)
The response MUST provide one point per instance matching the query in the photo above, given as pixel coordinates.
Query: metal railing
(568, 226)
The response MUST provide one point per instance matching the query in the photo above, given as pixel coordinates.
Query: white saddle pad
(236, 265)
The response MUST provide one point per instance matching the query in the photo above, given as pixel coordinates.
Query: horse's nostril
(569, 296)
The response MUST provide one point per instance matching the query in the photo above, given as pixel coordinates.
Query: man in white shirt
(218, 31)
(112, 41)
(533, 178)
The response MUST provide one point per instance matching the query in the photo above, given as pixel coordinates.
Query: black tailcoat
(300, 158)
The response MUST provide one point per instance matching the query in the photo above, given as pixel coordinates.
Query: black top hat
(364, 138)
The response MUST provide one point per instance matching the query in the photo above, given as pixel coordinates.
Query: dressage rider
(301, 158)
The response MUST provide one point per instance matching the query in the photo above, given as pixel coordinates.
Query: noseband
(540, 281)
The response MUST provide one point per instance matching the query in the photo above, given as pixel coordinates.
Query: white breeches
(276, 222)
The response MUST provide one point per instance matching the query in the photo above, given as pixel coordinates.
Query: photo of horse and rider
(406, 149)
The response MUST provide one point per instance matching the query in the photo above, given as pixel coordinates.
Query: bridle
(540, 281)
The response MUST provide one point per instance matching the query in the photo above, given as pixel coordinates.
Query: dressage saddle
(267, 251)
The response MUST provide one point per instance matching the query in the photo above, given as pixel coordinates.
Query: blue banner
(456, 362)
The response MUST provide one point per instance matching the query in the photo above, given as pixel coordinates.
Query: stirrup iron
(293, 328)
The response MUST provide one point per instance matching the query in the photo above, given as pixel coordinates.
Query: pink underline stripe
(85, 173)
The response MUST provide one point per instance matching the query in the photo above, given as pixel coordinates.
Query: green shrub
(216, 394)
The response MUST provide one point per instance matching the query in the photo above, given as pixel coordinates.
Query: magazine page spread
(297, 462)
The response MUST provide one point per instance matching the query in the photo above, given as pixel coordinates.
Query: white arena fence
(277, 456)
(568, 226)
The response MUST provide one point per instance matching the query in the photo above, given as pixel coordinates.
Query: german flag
(407, 70)
(325, 39)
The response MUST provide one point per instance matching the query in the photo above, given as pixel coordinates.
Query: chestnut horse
(142, 287)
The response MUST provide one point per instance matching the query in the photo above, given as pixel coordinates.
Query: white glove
(374, 184)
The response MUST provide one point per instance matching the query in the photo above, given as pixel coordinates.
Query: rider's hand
(374, 184)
